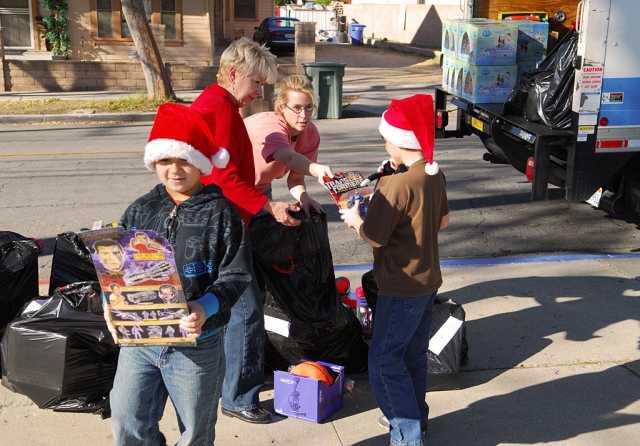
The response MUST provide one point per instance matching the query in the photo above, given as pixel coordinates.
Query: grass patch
(138, 102)
(349, 99)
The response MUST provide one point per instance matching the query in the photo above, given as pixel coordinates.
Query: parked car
(277, 33)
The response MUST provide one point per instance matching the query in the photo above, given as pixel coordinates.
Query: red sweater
(237, 180)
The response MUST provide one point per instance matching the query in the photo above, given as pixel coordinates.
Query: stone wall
(64, 75)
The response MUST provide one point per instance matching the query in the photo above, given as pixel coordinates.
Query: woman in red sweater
(245, 67)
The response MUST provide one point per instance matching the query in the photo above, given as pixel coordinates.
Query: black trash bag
(444, 367)
(545, 94)
(71, 262)
(18, 274)
(60, 354)
(295, 267)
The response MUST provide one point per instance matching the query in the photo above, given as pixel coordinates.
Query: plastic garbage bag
(59, 353)
(545, 94)
(18, 274)
(448, 337)
(71, 262)
(304, 315)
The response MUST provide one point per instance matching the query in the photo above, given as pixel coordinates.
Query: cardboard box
(533, 38)
(449, 36)
(488, 84)
(448, 73)
(488, 42)
(308, 398)
(458, 77)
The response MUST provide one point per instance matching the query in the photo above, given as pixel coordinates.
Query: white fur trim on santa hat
(161, 148)
(404, 139)
(221, 158)
(431, 168)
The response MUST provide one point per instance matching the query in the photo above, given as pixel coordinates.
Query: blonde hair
(248, 57)
(297, 82)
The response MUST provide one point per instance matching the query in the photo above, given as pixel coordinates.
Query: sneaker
(384, 423)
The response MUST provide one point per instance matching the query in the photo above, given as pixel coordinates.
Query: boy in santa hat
(402, 222)
(213, 273)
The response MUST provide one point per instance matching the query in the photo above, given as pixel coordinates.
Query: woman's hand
(320, 171)
(193, 323)
(280, 212)
(306, 203)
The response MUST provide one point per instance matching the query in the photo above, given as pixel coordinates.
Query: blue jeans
(146, 376)
(398, 364)
(244, 349)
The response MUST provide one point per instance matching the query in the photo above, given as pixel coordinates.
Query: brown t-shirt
(404, 217)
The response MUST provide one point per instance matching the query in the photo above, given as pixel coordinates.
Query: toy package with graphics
(346, 188)
(140, 285)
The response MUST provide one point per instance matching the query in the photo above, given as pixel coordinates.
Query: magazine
(140, 285)
(345, 187)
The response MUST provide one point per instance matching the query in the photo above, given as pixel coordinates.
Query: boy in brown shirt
(402, 223)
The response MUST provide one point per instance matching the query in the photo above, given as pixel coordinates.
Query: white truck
(595, 159)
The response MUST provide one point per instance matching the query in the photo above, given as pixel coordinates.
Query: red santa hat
(181, 132)
(409, 124)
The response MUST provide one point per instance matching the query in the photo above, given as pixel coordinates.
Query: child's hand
(109, 321)
(352, 216)
(193, 323)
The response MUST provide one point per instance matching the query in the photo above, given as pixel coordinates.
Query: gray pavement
(554, 352)
(553, 359)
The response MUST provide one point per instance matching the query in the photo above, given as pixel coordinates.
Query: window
(109, 26)
(244, 9)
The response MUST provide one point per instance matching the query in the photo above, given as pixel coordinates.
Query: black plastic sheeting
(18, 274)
(443, 369)
(545, 94)
(295, 271)
(61, 355)
(71, 262)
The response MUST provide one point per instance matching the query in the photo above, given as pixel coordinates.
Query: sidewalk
(553, 359)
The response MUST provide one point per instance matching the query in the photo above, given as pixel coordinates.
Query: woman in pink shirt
(286, 141)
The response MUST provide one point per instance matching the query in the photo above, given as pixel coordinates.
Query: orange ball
(314, 370)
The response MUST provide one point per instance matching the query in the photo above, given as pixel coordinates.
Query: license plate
(477, 124)
(289, 36)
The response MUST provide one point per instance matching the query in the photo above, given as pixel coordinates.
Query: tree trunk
(158, 85)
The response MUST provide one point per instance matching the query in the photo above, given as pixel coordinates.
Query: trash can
(355, 31)
(326, 78)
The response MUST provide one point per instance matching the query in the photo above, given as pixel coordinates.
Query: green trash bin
(326, 78)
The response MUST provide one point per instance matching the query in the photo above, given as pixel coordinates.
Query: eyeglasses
(297, 109)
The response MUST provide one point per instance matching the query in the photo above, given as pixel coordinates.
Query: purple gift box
(308, 398)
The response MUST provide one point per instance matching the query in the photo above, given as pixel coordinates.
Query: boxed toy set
(449, 36)
(488, 42)
(308, 398)
(532, 40)
(488, 84)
